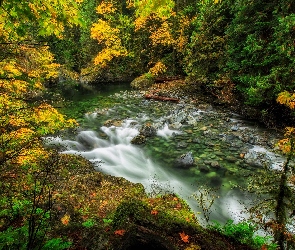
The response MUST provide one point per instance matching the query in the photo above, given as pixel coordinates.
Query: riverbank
(273, 116)
(98, 211)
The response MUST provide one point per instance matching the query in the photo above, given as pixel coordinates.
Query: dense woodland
(231, 50)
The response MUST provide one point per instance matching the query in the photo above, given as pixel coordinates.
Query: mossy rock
(148, 130)
(139, 139)
(142, 82)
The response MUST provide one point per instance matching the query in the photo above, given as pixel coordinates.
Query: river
(195, 149)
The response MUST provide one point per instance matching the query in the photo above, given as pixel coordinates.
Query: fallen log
(161, 98)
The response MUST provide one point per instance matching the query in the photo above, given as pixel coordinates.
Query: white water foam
(166, 132)
(118, 157)
(263, 157)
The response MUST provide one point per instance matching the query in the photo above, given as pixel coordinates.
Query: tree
(261, 54)
(206, 52)
(26, 63)
(275, 188)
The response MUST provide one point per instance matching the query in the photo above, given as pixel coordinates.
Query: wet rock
(182, 144)
(260, 157)
(196, 140)
(215, 164)
(185, 160)
(216, 181)
(204, 168)
(203, 128)
(218, 153)
(175, 125)
(139, 139)
(114, 122)
(234, 128)
(207, 132)
(148, 130)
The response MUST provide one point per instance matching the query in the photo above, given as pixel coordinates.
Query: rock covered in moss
(142, 82)
(185, 160)
(148, 130)
(114, 122)
(139, 139)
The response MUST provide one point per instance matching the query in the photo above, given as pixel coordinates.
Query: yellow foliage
(182, 40)
(22, 124)
(162, 35)
(287, 99)
(65, 219)
(110, 38)
(107, 54)
(158, 68)
(140, 22)
(103, 32)
(285, 144)
(105, 8)
(163, 8)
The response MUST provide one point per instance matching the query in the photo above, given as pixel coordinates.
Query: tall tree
(261, 54)
(26, 63)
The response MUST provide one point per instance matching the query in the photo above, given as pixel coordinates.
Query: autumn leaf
(154, 212)
(184, 237)
(120, 232)
(264, 247)
(65, 219)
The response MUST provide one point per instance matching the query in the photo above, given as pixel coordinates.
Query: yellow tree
(166, 31)
(25, 64)
(107, 36)
(146, 36)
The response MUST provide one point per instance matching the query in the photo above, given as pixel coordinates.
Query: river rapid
(192, 149)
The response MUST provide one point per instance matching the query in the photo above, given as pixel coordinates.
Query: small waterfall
(115, 155)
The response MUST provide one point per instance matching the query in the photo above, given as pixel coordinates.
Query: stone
(234, 128)
(182, 144)
(139, 139)
(231, 158)
(185, 160)
(114, 122)
(142, 83)
(204, 168)
(148, 130)
(215, 164)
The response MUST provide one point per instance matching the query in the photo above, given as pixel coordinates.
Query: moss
(142, 82)
(112, 204)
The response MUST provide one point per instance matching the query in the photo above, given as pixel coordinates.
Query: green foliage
(88, 223)
(130, 210)
(260, 49)
(206, 52)
(56, 244)
(76, 49)
(244, 233)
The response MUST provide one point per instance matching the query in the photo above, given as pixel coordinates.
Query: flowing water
(224, 148)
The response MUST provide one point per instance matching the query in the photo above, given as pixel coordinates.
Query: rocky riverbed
(175, 147)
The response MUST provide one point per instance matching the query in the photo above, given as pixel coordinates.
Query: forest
(239, 55)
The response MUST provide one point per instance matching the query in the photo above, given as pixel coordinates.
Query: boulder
(116, 123)
(185, 160)
(139, 139)
(148, 130)
(142, 82)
